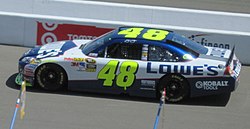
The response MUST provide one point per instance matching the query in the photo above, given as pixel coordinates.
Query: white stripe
(118, 23)
(155, 7)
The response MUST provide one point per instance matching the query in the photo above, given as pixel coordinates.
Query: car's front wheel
(50, 77)
(176, 87)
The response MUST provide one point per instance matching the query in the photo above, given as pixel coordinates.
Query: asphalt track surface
(80, 110)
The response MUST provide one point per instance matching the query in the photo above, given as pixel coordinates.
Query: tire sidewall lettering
(39, 75)
(177, 78)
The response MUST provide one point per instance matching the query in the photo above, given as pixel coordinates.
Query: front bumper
(19, 79)
(26, 72)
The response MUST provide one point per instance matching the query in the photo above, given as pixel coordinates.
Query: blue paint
(185, 70)
(212, 70)
(34, 51)
(149, 68)
(67, 45)
(198, 70)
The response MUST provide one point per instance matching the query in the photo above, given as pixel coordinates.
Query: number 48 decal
(124, 79)
(151, 34)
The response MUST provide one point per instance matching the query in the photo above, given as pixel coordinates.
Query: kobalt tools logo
(210, 85)
(51, 32)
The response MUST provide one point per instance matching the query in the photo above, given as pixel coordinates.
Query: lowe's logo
(184, 70)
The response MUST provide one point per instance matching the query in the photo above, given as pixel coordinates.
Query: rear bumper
(237, 82)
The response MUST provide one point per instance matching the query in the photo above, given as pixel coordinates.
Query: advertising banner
(51, 32)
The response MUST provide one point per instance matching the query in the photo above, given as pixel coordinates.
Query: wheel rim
(49, 76)
(174, 90)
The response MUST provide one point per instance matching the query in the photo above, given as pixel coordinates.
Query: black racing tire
(177, 88)
(50, 77)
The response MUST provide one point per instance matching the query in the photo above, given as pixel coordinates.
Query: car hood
(53, 49)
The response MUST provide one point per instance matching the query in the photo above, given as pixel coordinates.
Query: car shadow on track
(215, 100)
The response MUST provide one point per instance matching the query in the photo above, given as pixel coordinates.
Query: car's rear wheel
(176, 87)
(50, 77)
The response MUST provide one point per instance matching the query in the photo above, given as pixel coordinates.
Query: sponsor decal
(35, 61)
(68, 59)
(184, 70)
(46, 61)
(30, 67)
(90, 60)
(74, 59)
(210, 85)
(77, 64)
(51, 50)
(78, 59)
(130, 41)
(147, 85)
(237, 69)
(144, 55)
(200, 38)
(49, 53)
(93, 54)
(28, 73)
(51, 32)
(90, 67)
(29, 70)
(83, 66)
(80, 65)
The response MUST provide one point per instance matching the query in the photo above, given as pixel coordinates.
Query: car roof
(152, 35)
(141, 33)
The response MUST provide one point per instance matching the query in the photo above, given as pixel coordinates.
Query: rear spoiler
(230, 57)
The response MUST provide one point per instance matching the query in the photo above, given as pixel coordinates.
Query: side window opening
(125, 51)
(156, 53)
(101, 53)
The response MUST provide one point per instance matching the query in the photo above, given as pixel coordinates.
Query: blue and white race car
(133, 60)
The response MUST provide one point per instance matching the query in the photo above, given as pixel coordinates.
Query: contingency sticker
(87, 65)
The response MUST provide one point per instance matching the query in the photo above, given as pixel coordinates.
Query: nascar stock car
(133, 60)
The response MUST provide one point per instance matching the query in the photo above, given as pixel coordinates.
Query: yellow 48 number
(151, 34)
(124, 79)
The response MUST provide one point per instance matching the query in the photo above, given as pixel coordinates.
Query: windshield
(189, 44)
(93, 45)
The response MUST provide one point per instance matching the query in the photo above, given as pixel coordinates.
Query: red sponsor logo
(47, 32)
